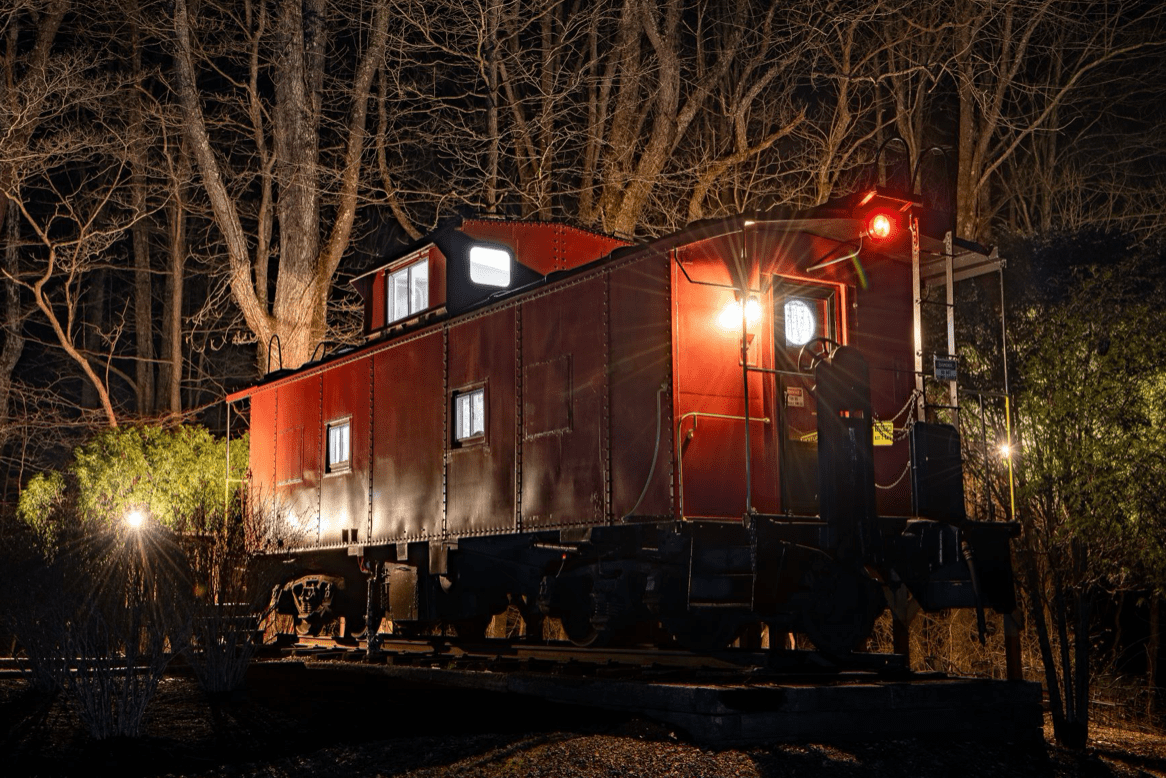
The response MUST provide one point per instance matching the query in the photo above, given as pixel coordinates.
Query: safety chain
(908, 408)
(906, 467)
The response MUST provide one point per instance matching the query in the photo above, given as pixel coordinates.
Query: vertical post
(1007, 404)
(917, 312)
(949, 260)
(901, 638)
(1013, 669)
(745, 371)
(227, 475)
(372, 612)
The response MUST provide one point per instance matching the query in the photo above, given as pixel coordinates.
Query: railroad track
(500, 655)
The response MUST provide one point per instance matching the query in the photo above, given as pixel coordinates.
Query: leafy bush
(169, 474)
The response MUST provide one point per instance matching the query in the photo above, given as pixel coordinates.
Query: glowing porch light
(730, 316)
(880, 227)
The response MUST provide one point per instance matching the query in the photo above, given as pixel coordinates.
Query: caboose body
(680, 433)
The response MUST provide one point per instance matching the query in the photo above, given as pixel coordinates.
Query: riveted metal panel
(882, 332)
(709, 427)
(564, 391)
(640, 364)
(262, 465)
(544, 247)
(296, 498)
(409, 443)
(480, 475)
(344, 489)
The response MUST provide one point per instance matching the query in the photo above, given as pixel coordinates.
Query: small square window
(469, 410)
(339, 447)
(407, 291)
(489, 266)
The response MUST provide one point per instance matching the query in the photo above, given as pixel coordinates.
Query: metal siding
(640, 363)
(480, 481)
(262, 464)
(436, 277)
(544, 247)
(408, 445)
(563, 389)
(709, 382)
(375, 311)
(882, 332)
(298, 436)
(344, 495)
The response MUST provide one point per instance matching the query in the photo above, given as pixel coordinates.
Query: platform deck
(749, 711)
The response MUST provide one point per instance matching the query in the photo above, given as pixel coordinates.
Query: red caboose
(690, 432)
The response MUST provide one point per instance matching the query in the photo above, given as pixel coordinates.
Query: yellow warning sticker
(883, 433)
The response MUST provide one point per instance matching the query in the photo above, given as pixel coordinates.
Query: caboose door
(802, 313)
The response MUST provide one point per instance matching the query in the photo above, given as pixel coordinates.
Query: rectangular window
(801, 313)
(407, 291)
(489, 266)
(470, 415)
(339, 446)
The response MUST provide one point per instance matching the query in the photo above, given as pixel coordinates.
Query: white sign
(946, 368)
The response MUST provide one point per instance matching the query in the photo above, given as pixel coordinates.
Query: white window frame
(415, 302)
(344, 430)
(472, 429)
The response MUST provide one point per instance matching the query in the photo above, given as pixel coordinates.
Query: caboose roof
(544, 246)
(549, 250)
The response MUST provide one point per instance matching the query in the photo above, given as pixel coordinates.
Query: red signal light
(880, 227)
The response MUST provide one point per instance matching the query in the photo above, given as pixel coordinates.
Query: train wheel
(581, 632)
(702, 632)
(840, 608)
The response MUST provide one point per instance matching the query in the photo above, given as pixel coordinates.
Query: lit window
(489, 266)
(339, 446)
(470, 414)
(408, 292)
(800, 325)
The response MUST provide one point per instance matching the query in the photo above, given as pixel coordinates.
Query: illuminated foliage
(176, 477)
(1091, 463)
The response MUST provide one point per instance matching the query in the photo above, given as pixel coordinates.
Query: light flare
(730, 316)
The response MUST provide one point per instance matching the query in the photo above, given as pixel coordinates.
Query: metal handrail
(279, 344)
(680, 448)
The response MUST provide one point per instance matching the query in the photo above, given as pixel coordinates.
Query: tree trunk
(13, 322)
(297, 318)
(143, 287)
(170, 371)
(1153, 647)
(1033, 586)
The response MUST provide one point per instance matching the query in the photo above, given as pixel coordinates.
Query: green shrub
(173, 476)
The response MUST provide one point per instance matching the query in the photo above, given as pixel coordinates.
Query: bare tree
(1016, 65)
(302, 188)
(60, 177)
(24, 99)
